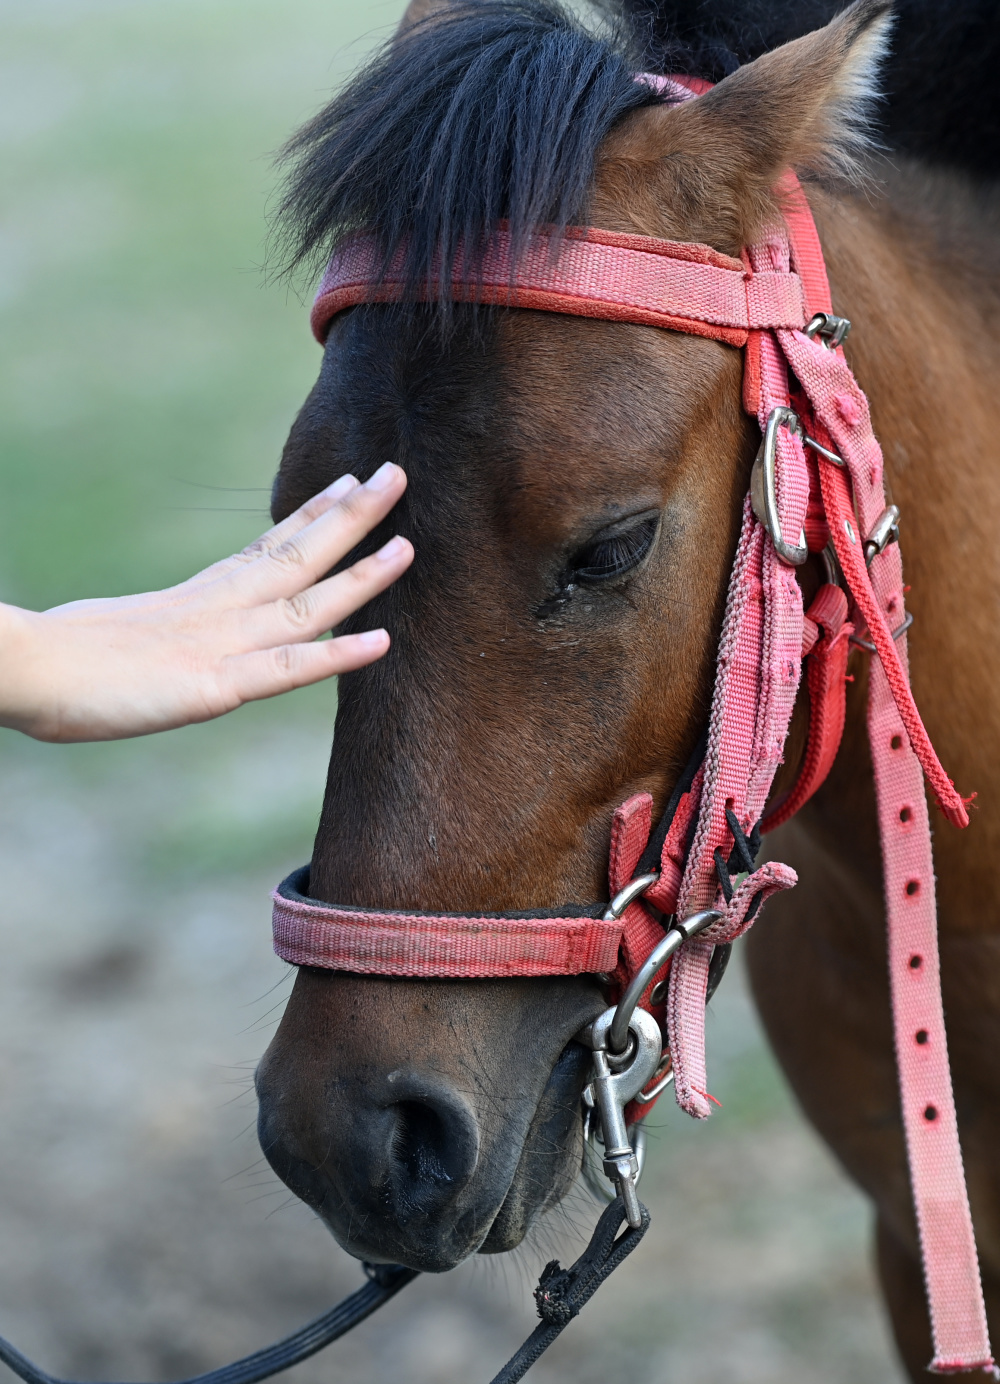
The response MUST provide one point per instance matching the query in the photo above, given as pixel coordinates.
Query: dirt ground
(142, 1237)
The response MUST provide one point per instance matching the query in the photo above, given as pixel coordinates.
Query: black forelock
(487, 112)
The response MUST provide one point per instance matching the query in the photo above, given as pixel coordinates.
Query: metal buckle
(832, 331)
(885, 531)
(763, 493)
(867, 643)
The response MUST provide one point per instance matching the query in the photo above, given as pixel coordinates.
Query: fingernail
(383, 477)
(392, 549)
(371, 638)
(341, 486)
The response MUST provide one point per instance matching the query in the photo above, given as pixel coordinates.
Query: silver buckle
(885, 531)
(867, 644)
(763, 494)
(832, 331)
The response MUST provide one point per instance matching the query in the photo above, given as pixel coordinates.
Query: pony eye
(616, 553)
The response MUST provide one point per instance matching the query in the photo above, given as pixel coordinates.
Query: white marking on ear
(843, 131)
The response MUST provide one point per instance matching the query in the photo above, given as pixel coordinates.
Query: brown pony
(575, 491)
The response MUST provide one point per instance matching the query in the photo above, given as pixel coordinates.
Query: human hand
(242, 629)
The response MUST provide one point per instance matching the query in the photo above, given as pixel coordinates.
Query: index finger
(287, 568)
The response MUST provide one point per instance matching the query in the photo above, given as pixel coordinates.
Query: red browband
(604, 274)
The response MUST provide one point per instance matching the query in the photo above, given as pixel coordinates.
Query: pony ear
(713, 162)
(807, 103)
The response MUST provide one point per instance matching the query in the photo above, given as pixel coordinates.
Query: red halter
(818, 480)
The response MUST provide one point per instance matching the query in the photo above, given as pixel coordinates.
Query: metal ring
(679, 933)
(625, 896)
(663, 1078)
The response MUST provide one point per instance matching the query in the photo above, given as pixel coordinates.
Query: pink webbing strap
(827, 681)
(382, 942)
(757, 680)
(606, 274)
(951, 1265)
(900, 748)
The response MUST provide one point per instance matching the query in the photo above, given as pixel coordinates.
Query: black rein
(560, 1295)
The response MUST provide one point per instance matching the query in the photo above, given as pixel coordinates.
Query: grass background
(148, 375)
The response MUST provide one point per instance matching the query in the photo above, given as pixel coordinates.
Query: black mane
(940, 79)
(492, 113)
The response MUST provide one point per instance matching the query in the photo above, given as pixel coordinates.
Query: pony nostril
(419, 1143)
(435, 1143)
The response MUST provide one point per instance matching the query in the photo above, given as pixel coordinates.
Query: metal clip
(886, 531)
(763, 493)
(612, 1090)
(832, 331)
(593, 1151)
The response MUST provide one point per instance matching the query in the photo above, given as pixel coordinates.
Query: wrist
(23, 683)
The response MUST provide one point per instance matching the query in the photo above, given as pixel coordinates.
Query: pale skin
(243, 629)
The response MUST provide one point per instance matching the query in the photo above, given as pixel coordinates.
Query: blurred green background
(148, 376)
(148, 370)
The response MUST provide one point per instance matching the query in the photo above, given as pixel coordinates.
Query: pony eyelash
(607, 558)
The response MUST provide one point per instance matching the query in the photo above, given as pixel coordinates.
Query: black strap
(650, 858)
(717, 968)
(385, 1281)
(560, 1295)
